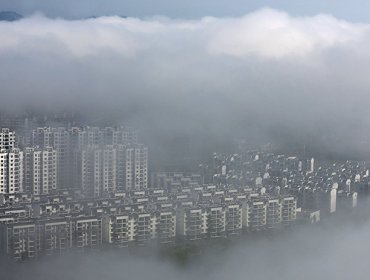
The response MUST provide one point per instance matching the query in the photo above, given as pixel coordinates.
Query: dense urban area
(81, 188)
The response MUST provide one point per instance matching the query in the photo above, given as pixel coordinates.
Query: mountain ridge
(10, 16)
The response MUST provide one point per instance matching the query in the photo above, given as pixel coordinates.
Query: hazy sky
(357, 10)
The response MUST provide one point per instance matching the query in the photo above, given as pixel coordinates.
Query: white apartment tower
(40, 170)
(11, 171)
(7, 139)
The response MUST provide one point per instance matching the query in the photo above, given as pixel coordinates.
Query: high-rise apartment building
(40, 170)
(136, 167)
(126, 136)
(107, 136)
(109, 162)
(61, 145)
(91, 172)
(98, 160)
(42, 137)
(104, 169)
(11, 171)
(58, 138)
(98, 171)
(7, 139)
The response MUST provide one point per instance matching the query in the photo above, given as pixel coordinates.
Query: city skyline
(106, 200)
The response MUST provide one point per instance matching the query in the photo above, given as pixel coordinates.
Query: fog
(192, 87)
(314, 252)
(267, 76)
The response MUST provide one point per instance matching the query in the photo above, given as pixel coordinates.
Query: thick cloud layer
(266, 73)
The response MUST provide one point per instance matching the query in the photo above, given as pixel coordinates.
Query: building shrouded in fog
(59, 139)
(98, 171)
(136, 167)
(104, 169)
(98, 160)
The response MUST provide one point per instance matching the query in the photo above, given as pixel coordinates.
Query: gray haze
(267, 76)
(196, 84)
(339, 252)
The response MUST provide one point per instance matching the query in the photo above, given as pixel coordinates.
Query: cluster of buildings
(37, 225)
(326, 188)
(97, 161)
(87, 188)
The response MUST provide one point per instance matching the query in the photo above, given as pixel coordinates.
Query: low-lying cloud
(264, 74)
(272, 34)
(266, 33)
(321, 253)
